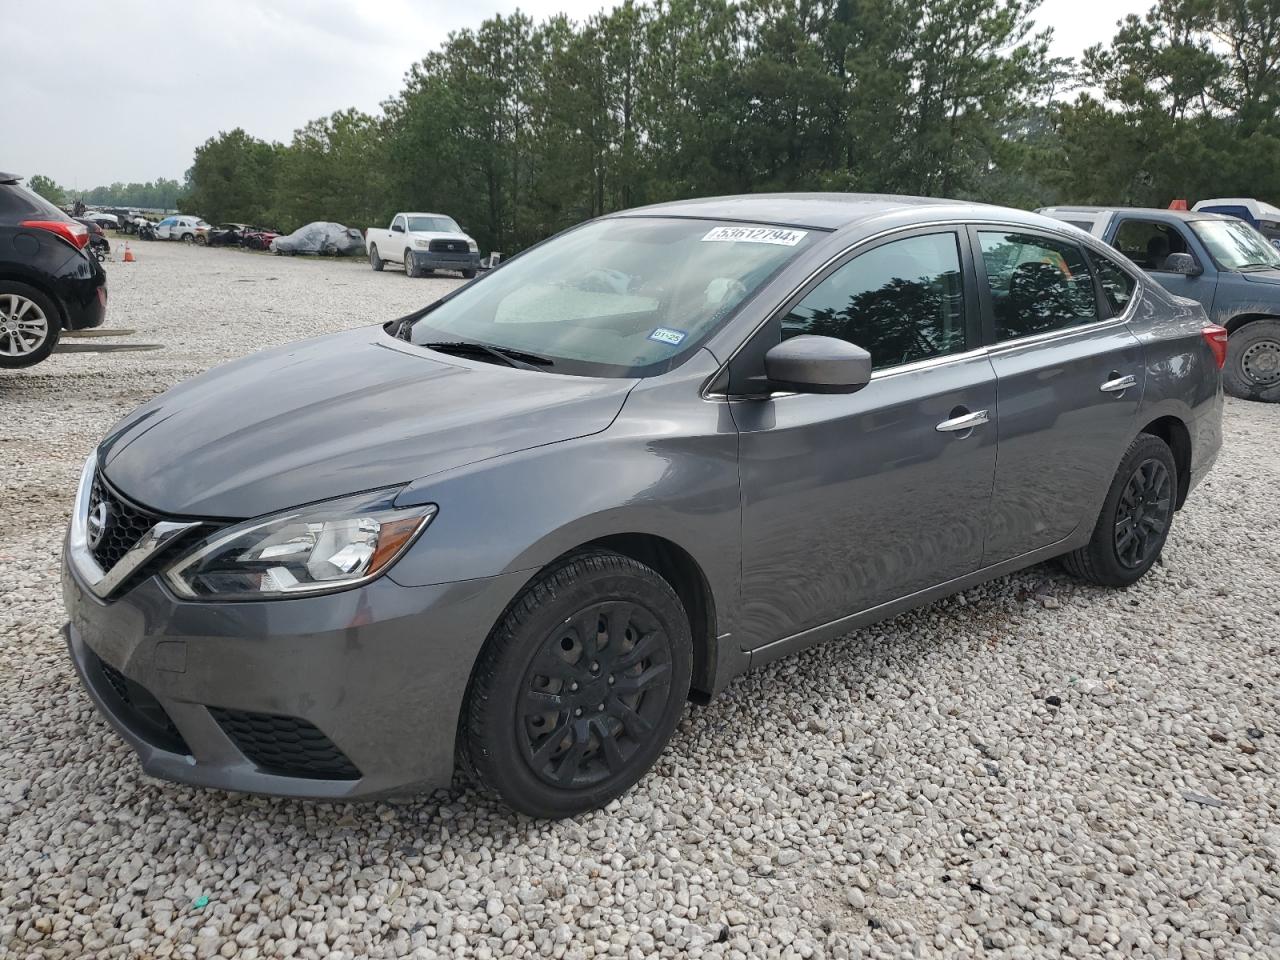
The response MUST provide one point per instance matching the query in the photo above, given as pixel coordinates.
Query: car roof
(1144, 211)
(1254, 206)
(422, 213)
(820, 211)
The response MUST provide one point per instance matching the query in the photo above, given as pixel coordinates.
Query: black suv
(49, 282)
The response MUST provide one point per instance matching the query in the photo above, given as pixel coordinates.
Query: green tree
(47, 188)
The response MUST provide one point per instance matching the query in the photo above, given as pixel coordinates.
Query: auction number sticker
(776, 235)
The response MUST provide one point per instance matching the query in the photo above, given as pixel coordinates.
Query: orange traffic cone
(128, 254)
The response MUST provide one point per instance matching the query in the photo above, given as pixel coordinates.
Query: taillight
(1216, 337)
(76, 234)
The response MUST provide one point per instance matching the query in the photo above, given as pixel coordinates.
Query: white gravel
(1034, 768)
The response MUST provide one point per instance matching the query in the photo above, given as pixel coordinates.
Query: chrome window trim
(1063, 231)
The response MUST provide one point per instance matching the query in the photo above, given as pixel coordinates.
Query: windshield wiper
(1244, 267)
(512, 358)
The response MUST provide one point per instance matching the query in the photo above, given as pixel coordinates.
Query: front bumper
(346, 695)
(428, 260)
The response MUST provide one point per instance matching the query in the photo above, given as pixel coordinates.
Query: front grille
(122, 524)
(449, 246)
(141, 711)
(285, 746)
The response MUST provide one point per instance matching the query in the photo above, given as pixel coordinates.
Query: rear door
(1069, 375)
(854, 500)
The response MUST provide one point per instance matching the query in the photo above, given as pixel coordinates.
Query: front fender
(667, 467)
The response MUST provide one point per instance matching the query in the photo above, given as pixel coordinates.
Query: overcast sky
(126, 90)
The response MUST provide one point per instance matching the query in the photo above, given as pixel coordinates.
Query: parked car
(48, 280)
(526, 522)
(329, 239)
(423, 242)
(228, 234)
(1263, 217)
(107, 221)
(99, 245)
(187, 229)
(1224, 264)
(258, 238)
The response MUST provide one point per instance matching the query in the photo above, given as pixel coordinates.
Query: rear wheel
(29, 325)
(579, 686)
(1252, 370)
(188, 239)
(375, 261)
(1136, 516)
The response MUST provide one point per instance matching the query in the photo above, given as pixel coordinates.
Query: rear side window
(1038, 284)
(1116, 282)
(901, 302)
(19, 203)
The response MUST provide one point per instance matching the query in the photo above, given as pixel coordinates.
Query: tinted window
(1038, 284)
(901, 302)
(1148, 244)
(19, 203)
(1117, 283)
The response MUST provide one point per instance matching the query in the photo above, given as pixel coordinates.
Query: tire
(468, 274)
(202, 241)
(375, 261)
(410, 264)
(521, 755)
(41, 325)
(1143, 492)
(1252, 370)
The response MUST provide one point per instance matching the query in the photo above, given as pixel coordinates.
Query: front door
(851, 501)
(1148, 243)
(1070, 378)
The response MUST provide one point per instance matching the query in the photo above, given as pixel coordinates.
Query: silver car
(522, 527)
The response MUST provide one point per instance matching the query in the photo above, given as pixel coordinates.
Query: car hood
(1262, 276)
(438, 235)
(336, 415)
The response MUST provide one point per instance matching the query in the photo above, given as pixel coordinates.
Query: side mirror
(808, 364)
(1182, 263)
(396, 228)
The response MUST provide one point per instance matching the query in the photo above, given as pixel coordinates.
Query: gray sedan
(521, 528)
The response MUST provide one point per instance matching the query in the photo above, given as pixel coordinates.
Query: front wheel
(29, 325)
(1136, 516)
(468, 274)
(579, 686)
(410, 264)
(202, 241)
(1252, 370)
(375, 261)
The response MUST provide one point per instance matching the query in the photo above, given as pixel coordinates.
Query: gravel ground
(1033, 768)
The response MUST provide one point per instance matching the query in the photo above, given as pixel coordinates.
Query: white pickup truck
(423, 242)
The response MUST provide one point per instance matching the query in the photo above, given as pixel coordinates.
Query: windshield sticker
(775, 235)
(667, 335)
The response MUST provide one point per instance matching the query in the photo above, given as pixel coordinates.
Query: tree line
(520, 128)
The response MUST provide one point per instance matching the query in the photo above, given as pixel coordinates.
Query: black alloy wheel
(1142, 516)
(594, 694)
(579, 686)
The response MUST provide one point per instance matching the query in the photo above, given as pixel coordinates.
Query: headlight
(323, 547)
(473, 246)
(421, 243)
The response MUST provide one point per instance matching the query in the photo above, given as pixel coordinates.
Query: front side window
(621, 297)
(1234, 245)
(1038, 284)
(1117, 283)
(1148, 244)
(901, 302)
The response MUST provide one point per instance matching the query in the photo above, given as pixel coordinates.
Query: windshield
(1234, 245)
(621, 297)
(433, 225)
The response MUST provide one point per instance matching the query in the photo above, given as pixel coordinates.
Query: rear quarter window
(1118, 284)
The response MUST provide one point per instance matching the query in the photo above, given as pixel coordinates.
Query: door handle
(963, 422)
(1118, 384)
